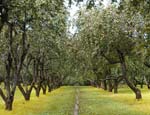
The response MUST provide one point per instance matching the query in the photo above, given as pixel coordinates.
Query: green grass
(58, 102)
(95, 101)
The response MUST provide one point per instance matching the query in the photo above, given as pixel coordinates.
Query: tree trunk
(134, 89)
(26, 93)
(99, 84)
(104, 84)
(44, 89)
(115, 86)
(37, 90)
(49, 89)
(92, 83)
(110, 88)
(141, 85)
(124, 73)
(148, 86)
(9, 103)
(27, 96)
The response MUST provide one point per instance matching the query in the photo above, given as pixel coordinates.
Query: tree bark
(9, 103)
(124, 73)
(148, 86)
(44, 88)
(115, 86)
(26, 93)
(38, 89)
(104, 84)
(110, 87)
(49, 88)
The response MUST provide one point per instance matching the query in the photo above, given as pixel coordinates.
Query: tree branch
(2, 94)
(110, 61)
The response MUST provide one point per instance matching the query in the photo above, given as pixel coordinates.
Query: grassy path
(95, 101)
(82, 100)
(58, 102)
(76, 108)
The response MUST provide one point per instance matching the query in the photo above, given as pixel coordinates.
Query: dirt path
(76, 107)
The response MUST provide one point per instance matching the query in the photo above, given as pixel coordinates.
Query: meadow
(92, 101)
(57, 102)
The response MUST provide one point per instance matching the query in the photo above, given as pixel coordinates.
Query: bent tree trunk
(8, 100)
(26, 93)
(124, 73)
(134, 89)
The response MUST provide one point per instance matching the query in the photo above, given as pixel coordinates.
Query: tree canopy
(111, 46)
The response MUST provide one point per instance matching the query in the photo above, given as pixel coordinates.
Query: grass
(58, 102)
(95, 101)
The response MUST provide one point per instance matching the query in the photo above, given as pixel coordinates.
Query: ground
(58, 102)
(95, 101)
(92, 101)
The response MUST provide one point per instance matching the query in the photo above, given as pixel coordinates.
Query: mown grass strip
(58, 102)
(95, 101)
(76, 108)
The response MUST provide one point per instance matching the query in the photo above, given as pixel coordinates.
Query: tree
(26, 48)
(112, 36)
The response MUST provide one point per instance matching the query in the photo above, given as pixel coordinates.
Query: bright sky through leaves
(73, 14)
